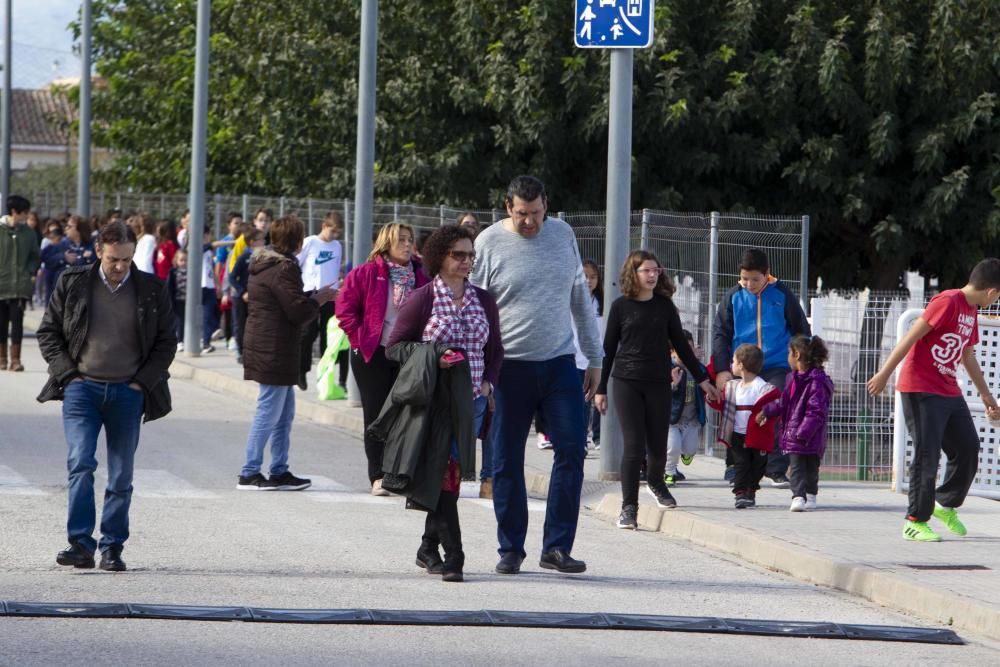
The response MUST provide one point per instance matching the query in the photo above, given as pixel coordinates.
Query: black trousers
(939, 423)
(644, 412)
(777, 461)
(803, 473)
(750, 466)
(12, 317)
(442, 526)
(343, 359)
(309, 333)
(375, 379)
(242, 309)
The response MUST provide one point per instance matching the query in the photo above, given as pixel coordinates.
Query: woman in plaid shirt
(451, 311)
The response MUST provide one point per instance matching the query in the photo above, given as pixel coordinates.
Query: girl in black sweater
(641, 327)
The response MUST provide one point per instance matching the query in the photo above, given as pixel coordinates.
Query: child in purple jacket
(804, 409)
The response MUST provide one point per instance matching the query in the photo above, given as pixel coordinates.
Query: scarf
(403, 280)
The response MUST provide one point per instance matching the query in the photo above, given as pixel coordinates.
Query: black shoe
(77, 556)
(303, 385)
(510, 563)
(780, 481)
(429, 558)
(743, 502)
(679, 476)
(111, 560)
(255, 482)
(627, 519)
(286, 481)
(452, 568)
(662, 495)
(559, 560)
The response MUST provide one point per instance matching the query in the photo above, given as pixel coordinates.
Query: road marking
(533, 504)
(326, 490)
(149, 483)
(11, 483)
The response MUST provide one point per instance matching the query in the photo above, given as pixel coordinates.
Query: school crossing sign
(614, 24)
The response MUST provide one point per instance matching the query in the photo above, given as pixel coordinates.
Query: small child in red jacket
(749, 441)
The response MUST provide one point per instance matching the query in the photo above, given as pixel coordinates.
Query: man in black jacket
(108, 338)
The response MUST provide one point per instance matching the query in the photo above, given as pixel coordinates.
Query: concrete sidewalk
(851, 543)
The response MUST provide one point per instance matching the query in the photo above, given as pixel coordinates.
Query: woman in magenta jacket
(367, 307)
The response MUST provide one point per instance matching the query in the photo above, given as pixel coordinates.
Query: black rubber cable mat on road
(486, 618)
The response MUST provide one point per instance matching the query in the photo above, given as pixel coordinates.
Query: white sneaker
(377, 489)
(810, 501)
(180, 347)
(543, 441)
(798, 504)
(231, 345)
(218, 334)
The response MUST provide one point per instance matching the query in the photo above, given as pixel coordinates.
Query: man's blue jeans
(87, 406)
(272, 420)
(554, 387)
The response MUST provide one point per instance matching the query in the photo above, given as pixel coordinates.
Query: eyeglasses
(461, 256)
(651, 272)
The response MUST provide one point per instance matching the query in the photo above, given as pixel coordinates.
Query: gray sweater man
(531, 265)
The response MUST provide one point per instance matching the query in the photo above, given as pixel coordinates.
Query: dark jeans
(525, 387)
(375, 379)
(87, 407)
(595, 423)
(242, 312)
(643, 410)
(804, 474)
(939, 423)
(309, 333)
(777, 461)
(12, 316)
(750, 465)
(179, 320)
(209, 315)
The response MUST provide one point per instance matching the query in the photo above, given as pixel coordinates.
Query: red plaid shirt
(466, 328)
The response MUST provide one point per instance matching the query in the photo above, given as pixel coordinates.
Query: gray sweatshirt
(540, 290)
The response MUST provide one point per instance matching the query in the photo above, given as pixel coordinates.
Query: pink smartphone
(454, 357)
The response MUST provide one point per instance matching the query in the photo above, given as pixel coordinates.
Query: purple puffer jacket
(804, 408)
(363, 300)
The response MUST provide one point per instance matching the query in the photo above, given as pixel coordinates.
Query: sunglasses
(650, 272)
(461, 255)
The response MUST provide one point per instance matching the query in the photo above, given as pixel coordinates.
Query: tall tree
(878, 118)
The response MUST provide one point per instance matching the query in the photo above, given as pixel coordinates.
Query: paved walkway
(852, 542)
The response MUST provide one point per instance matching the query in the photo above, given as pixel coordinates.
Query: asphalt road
(198, 541)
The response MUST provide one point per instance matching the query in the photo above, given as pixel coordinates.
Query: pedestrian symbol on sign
(613, 24)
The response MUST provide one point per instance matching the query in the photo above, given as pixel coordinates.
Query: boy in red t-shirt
(936, 413)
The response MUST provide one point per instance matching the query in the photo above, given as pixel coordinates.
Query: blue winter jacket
(677, 406)
(768, 320)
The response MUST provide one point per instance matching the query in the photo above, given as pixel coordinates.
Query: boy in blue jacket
(761, 310)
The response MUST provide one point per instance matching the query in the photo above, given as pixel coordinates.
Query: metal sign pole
(619, 218)
(199, 134)
(83, 150)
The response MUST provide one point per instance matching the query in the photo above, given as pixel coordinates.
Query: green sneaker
(919, 531)
(669, 480)
(950, 519)
(686, 459)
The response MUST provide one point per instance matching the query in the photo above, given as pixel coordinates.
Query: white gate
(987, 481)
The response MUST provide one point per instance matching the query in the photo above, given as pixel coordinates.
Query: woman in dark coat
(450, 311)
(278, 310)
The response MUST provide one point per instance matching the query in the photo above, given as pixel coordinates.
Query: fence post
(311, 217)
(561, 215)
(353, 395)
(118, 201)
(713, 289)
(163, 206)
(644, 230)
(102, 204)
(395, 211)
(804, 275)
(218, 216)
(441, 214)
(281, 206)
(496, 215)
(246, 207)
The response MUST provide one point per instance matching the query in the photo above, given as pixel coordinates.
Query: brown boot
(3, 356)
(486, 488)
(15, 358)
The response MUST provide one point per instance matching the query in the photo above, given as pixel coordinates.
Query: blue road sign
(614, 24)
